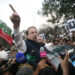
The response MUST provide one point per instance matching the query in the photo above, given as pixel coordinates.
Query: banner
(5, 36)
(5, 28)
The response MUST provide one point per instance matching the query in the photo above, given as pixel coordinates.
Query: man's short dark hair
(48, 71)
(29, 28)
(25, 70)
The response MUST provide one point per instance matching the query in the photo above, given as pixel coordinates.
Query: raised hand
(15, 18)
(64, 64)
(40, 66)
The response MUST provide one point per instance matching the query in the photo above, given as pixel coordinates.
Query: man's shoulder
(29, 41)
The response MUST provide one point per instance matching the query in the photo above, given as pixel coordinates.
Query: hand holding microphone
(43, 55)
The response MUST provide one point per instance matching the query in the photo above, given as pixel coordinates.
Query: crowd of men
(27, 60)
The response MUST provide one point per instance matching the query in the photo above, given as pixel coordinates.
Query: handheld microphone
(42, 52)
(20, 57)
(31, 57)
(33, 52)
(43, 55)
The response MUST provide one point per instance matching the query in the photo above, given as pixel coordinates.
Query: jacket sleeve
(19, 42)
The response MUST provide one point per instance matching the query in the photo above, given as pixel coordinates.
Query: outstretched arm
(64, 64)
(18, 37)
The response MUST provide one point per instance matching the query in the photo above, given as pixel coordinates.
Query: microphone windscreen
(20, 57)
(42, 52)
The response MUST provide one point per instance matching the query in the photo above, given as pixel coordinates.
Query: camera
(62, 54)
(71, 53)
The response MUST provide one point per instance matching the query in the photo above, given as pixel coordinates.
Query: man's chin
(35, 39)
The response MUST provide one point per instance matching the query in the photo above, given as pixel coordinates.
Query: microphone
(20, 57)
(33, 52)
(31, 57)
(43, 53)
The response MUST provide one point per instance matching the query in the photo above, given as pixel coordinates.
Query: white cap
(3, 54)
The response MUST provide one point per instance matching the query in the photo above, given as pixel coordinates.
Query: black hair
(25, 70)
(71, 69)
(48, 71)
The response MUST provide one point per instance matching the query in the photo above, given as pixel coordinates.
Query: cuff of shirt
(16, 31)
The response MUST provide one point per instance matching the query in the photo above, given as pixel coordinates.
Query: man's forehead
(32, 29)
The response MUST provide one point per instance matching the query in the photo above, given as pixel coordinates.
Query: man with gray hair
(31, 44)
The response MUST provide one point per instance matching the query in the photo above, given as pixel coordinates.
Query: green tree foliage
(49, 30)
(58, 8)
